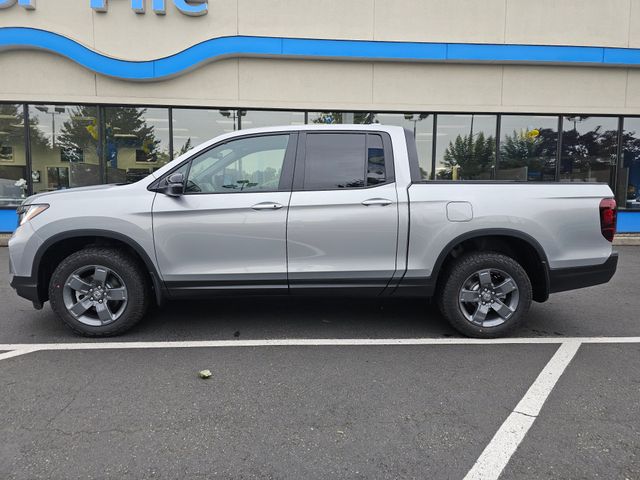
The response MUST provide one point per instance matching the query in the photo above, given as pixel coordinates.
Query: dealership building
(107, 91)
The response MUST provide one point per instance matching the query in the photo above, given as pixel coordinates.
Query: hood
(41, 196)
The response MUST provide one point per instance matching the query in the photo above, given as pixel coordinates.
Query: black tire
(127, 268)
(464, 268)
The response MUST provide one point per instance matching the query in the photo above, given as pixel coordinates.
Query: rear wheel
(485, 295)
(99, 291)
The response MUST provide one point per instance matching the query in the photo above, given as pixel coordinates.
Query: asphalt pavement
(607, 310)
(319, 410)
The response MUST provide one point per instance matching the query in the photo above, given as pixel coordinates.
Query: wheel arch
(56, 248)
(519, 245)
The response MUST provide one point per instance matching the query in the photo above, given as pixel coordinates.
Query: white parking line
(313, 342)
(16, 353)
(504, 443)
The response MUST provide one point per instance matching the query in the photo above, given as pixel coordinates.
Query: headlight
(27, 212)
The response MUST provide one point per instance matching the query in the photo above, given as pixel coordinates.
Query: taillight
(608, 216)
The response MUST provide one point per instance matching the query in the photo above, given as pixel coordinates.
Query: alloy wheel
(488, 297)
(95, 295)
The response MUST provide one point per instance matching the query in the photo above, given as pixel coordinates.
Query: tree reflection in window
(133, 147)
(469, 157)
(78, 133)
(466, 146)
(589, 148)
(528, 154)
(13, 170)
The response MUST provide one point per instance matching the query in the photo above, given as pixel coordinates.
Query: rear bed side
(561, 221)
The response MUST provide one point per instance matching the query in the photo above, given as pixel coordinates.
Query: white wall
(277, 83)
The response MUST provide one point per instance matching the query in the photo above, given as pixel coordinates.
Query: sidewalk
(627, 239)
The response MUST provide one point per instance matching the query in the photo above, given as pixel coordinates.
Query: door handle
(383, 202)
(267, 206)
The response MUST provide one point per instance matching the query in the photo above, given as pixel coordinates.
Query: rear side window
(343, 160)
(376, 172)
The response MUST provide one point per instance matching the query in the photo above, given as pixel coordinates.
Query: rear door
(342, 229)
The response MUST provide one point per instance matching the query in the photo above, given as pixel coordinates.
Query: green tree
(79, 133)
(595, 149)
(185, 148)
(127, 127)
(535, 149)
(630, 162)
(12, 127)
(472, 155)
(11, 124)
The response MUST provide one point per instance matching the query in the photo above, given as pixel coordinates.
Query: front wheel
(99, 291)
(485, 295)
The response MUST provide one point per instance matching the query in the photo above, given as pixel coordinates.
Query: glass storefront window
(64, 146)
(466, 147)
(64, 142)
(528, 148)
(628, 185)
(343, 117)
(265, 118)
(191, 127)
(421, 124)
(13, 165)
(136, 143)
(589, 146)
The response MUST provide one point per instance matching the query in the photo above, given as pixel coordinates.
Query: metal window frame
(27, 147)
(171, 157)
(559, 147)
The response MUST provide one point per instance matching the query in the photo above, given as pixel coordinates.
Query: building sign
(193, 8)
(28, 4)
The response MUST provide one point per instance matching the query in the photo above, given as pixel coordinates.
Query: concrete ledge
(627, 239)
(4, 239)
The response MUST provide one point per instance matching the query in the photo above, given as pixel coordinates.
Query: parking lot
(326, 388)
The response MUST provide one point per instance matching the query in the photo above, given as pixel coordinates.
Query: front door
(228, 230)
(342, 230)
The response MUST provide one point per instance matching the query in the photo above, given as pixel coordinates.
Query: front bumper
(27, 288)
(563, 279)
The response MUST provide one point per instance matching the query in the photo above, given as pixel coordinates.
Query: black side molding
(563, 279)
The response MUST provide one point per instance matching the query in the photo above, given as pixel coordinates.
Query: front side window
(343, 160)
(245, 165)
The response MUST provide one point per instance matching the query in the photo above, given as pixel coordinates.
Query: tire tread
(125, 265)
(459, 270)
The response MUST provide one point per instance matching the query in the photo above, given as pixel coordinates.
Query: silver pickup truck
(310, 210)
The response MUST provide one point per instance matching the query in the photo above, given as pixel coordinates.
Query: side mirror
(174, 185)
